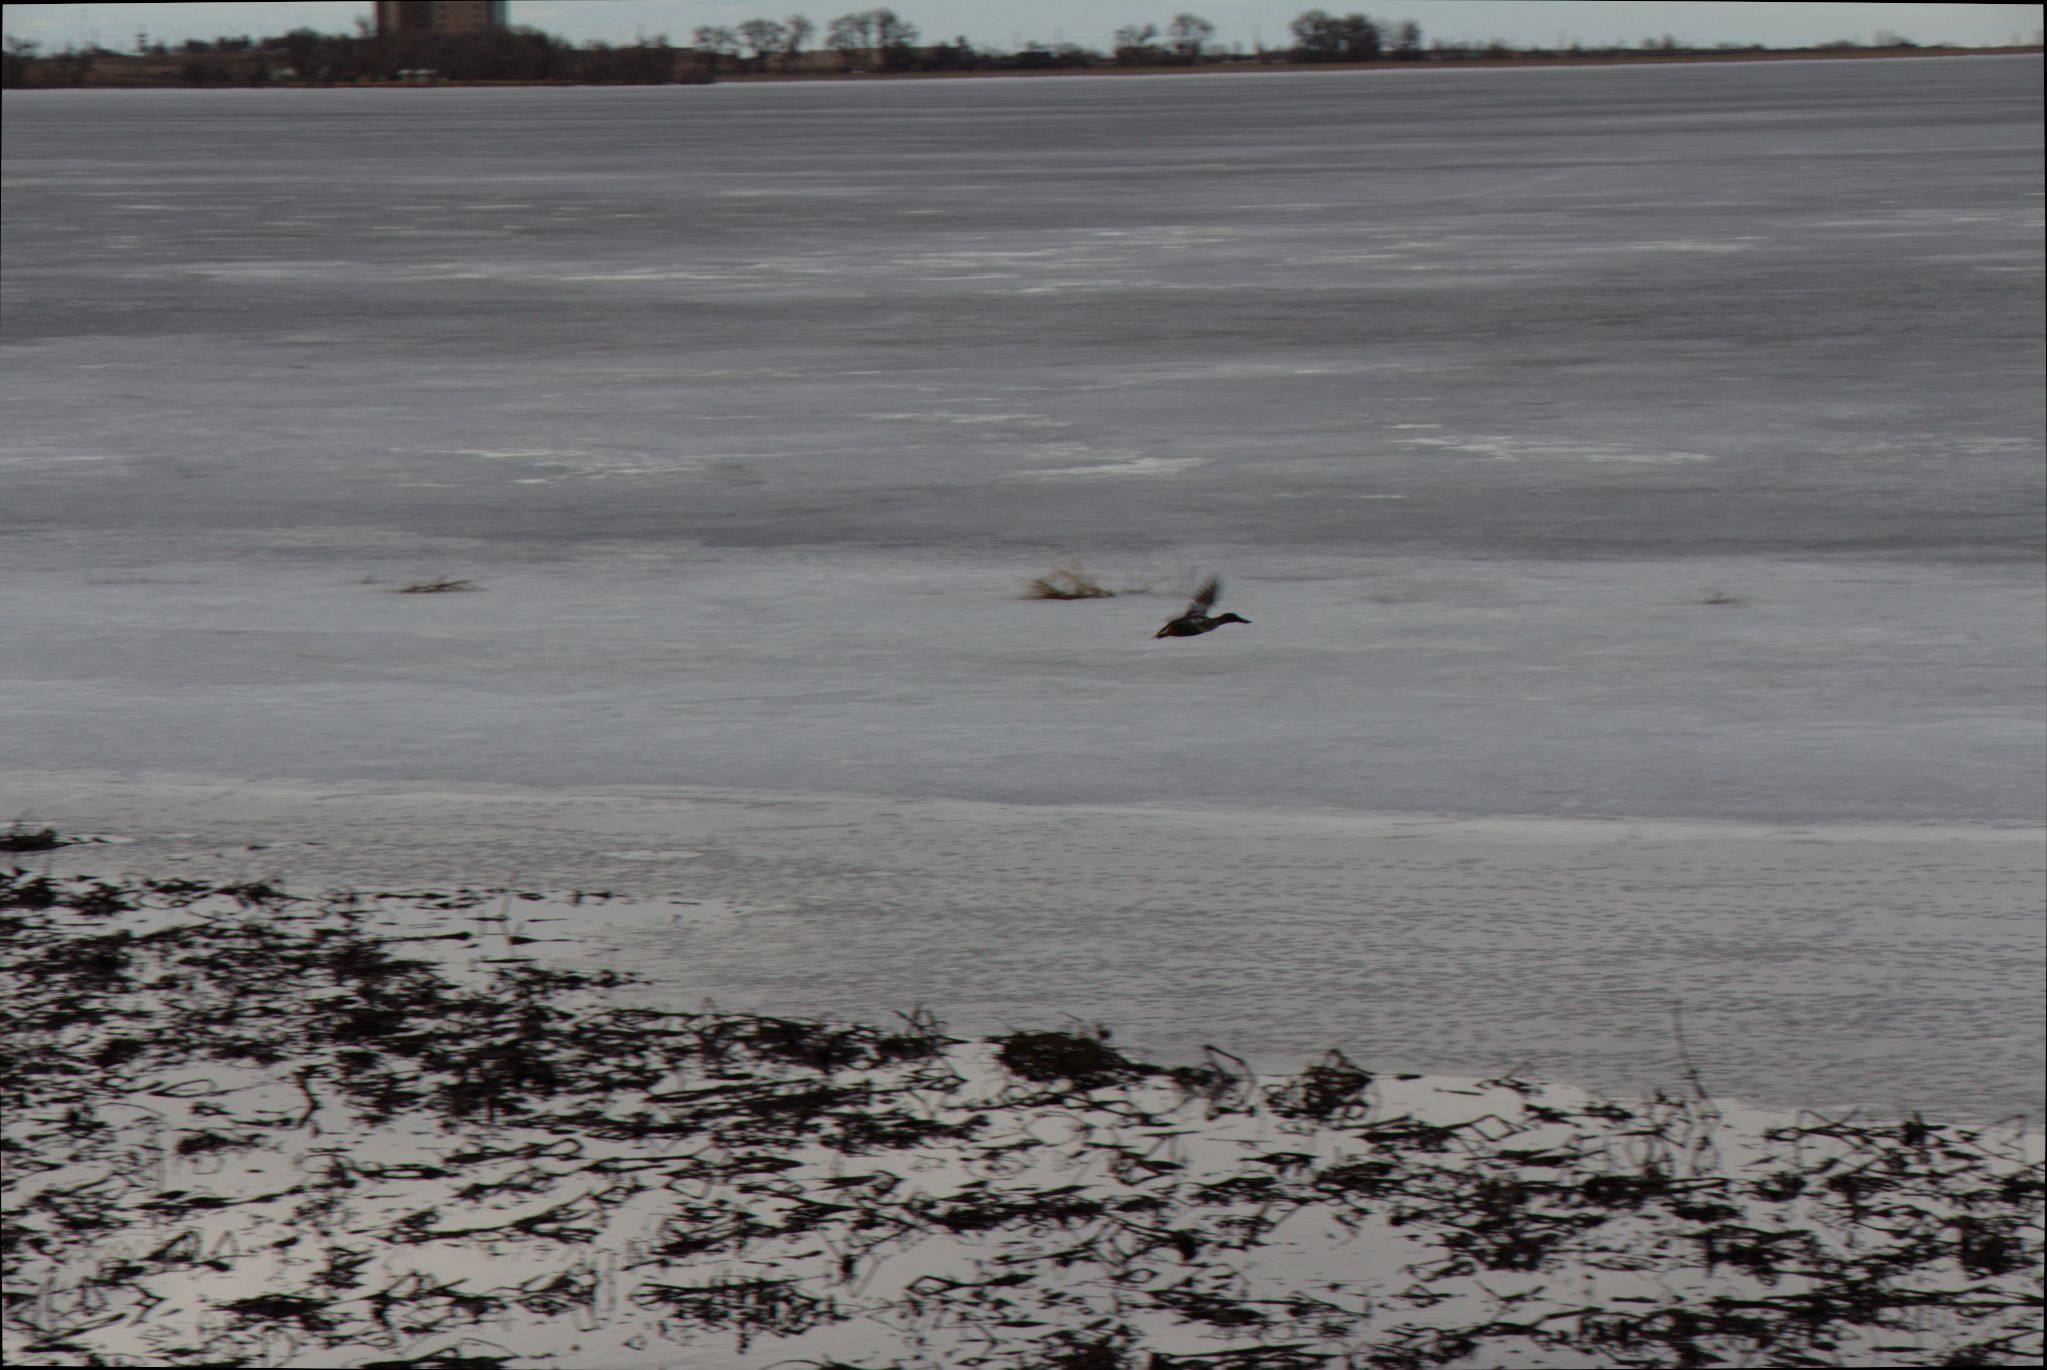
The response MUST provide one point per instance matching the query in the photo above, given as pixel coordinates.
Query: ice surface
(1888, 967)
(1610, 444)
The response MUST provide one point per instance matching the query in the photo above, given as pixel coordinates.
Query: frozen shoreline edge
(1337, 1206)
(706, 882)
(29, 791)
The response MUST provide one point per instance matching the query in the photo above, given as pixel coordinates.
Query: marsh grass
(1067, 582)
(440, 585)
(19, 837)
(445, 1136)
(1081, 1060)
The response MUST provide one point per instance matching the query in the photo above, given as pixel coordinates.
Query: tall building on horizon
(440, 16)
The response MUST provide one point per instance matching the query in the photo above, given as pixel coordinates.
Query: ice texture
(1624, 445)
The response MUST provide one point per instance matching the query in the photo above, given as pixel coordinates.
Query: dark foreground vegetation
(22, 838)
(865, 42)
(244, 1128)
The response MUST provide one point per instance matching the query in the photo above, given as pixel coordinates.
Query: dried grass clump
(20, 837)
(1082, 1060)
(1066, 582)
(439, 585)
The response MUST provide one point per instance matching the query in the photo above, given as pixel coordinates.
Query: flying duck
(1196, 620)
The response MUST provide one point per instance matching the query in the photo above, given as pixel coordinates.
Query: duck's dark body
(1197, 619)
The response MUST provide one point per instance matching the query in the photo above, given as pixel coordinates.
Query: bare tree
(879, 37)
(799, 30)
(895, 37)
(852, 37)
(762, 37)
(1187, 35)
(19, 60)
(1322, 37)
(1135, 45)
(717, 40)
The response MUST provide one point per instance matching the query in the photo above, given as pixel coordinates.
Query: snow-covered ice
(1633, 477)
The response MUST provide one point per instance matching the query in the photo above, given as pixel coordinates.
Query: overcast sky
(1004, 24)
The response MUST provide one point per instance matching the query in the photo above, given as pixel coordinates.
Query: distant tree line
(304, 56)
(881, 40)
(877, 40)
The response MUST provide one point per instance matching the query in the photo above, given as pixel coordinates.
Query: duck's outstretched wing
(1205, 596)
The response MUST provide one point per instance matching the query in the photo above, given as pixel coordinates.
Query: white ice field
(1633, 478)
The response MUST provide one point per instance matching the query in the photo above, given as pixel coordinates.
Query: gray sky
(1007, 23)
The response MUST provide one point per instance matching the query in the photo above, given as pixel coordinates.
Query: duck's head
(1228, 618)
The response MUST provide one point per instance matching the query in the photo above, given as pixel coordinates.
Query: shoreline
(1230, 68)
(362, 1126)
(1442, 945)
(1252, 66)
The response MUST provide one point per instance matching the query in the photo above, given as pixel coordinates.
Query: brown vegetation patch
(1066, 582)
(248, 1127)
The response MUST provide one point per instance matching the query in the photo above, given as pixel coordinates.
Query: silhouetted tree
(1136, 45)
(517, 54)
(1320, 36)
(798, 30)
(878, 37)
(1187, 35)
(895, 38)
(851, 37)
(18, 61)
(717, 40)
(763, 37)
(958, 55)
(302, 48)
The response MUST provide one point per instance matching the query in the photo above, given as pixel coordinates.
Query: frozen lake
(1634, 478)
